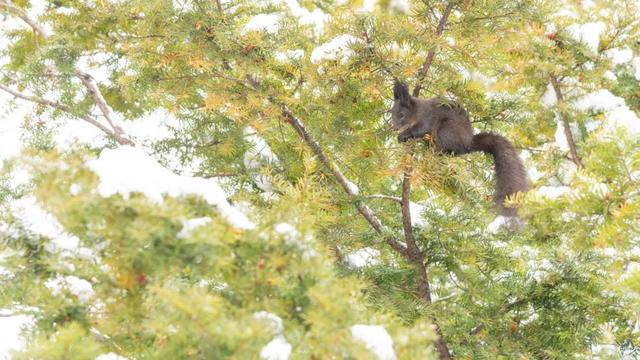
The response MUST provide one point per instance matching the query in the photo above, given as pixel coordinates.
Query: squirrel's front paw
(404, 137)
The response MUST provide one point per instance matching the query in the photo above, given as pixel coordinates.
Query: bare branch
(565, 123)
(92, 86)
(118, 137)
(422, 74)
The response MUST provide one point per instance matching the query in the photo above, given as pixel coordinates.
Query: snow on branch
(128, 169)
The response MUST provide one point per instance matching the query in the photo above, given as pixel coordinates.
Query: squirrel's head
(403, 109)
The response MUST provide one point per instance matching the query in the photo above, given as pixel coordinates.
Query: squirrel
(448, 124)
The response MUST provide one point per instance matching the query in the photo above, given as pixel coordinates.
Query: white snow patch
(540, 269)
(78, 287)
(259, 156)
(368, 5)
(263, 22)
(353, 187)
(278, 348)
(588, 33)
(401, 6)
(339, 48)
(74, 189)
(10, 328)
(288, 230)
(293, 237)
(289, 55)
(128, 169)
(416, 214)
(553, 192)
(508, 222)
(617, 113)
(561, 139)
(620, 56)
(636, 66)
(496, 224)
(599, 100)
(188, 226)
(363, 257)
(39, 222)
(376, 339)
(182, 5)
(566, 172)
(534, 174)
(317, 17)
(549, 98)
(111, 356)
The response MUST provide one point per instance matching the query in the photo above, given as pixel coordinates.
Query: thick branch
(118, 137)
(565, 123)
(92, 86)
(414, 253)
(422, 74)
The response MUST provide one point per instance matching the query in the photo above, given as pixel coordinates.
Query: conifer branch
(363, 209)
(87, 80)
(565, 123)
(120, 138)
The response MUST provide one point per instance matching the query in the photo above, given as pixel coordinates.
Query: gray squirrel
(448, 124)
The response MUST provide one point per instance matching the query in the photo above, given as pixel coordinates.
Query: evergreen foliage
(278, 221)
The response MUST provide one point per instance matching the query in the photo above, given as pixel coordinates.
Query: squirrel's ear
(401, 93)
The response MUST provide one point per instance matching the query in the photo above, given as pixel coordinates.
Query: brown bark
(565, 123)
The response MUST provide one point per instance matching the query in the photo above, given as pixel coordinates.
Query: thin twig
(422, 74)
(386, 197)
(119, 138)
(565, 123)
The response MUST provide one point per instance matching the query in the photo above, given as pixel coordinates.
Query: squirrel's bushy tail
(511, 175)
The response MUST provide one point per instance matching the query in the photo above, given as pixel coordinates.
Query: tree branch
(25, 17)
(413, 251)
(565, 123)
(118, 137)
(422, 74)
(92, 86)
(363, 209)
